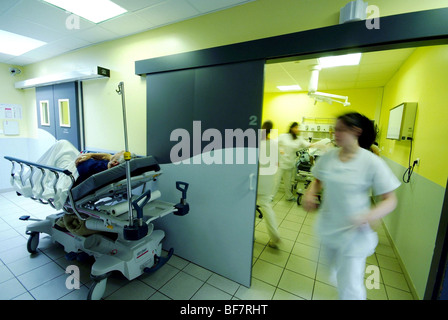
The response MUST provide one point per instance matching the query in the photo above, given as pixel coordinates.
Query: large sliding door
(203, 128)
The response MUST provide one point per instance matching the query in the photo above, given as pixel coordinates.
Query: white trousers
(350, 272)
(264, 201)
(287, 176)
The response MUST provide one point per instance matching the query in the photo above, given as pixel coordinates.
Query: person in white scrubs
(266, 179)
(348, 176)
(288, 144)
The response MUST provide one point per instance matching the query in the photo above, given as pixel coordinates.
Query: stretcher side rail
(44, 170)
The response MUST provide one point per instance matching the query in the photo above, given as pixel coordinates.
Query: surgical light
(338, 61)
(295, 87)
(95, 11)
(16, 44)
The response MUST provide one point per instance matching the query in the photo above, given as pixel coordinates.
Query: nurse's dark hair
(368, 133)
(267, 125)
(292, 125)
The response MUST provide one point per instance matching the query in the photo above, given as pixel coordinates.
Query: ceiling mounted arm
(329, 98)
(321, 96)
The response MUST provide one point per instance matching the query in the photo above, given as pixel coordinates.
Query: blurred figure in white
(348, 176)
(288, 144)
(266, 179)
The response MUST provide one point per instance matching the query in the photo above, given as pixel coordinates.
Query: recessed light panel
(295, 87)
(16, 44)
(92, 10)
(338, 61)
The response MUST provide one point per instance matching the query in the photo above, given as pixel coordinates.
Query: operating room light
(92, 10)
(16, 45)
(338, 61)
(295, 87)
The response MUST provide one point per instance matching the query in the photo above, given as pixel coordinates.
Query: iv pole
(127, 157)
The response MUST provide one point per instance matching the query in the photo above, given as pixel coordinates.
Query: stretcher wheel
(33, 242)
(299, 199)
(97, 289)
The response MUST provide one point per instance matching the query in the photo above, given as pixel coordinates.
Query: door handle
(251, 182)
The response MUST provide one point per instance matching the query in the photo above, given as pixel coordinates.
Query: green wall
(414, 224)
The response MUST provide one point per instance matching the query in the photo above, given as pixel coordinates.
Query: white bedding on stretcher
(61, 155)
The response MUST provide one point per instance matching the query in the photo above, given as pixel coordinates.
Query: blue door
(202, 126)
(57, 110)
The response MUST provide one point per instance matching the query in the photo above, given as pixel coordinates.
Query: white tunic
(347, 187)
(288, 148)
(268, 164)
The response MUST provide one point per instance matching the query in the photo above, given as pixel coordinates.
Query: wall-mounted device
(79, 75)
(15, 71)
(401, 121)
(353, 11)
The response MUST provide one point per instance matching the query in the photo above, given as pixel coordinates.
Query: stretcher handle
(139, 207)
(29, 163)
(185, 185)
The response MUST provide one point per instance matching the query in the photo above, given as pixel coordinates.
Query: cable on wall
(408, 172)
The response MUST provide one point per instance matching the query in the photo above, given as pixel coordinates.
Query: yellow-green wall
(284, 108)
(413, 226)
(422, 79)
(10, 95)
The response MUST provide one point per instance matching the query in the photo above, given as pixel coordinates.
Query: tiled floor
(293, 271)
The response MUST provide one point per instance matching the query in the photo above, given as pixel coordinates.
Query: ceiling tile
(21, 61)
(167, 12)
(95, 35)
(370, 84)
(380, 67)
(49, 16)
(69, 43)
(5, 57)
(338, 85)
(28, 29)
(135, 5)
(7, 4)
(378, 76)
(398, 55)
(204, 6)
(127, 24)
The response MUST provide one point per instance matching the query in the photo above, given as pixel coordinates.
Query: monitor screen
(394, 126)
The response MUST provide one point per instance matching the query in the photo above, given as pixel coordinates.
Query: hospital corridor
(294, 271)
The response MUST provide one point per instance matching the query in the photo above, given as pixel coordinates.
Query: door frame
(429, 28)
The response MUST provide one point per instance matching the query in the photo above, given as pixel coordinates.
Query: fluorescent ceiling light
(294, 87)
(92, 10)
(16, 45)
(337, 61)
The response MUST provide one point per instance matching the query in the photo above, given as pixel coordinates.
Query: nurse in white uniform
(288, 144)
(348, 176)
(266, 180)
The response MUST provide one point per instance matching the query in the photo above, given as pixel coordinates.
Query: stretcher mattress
(97, 181)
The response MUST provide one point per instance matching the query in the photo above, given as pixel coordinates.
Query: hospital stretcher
(119, 239)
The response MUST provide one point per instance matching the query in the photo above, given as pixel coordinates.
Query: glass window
(64, 112)
(44, 113)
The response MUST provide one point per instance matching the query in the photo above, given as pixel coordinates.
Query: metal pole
(127, 154)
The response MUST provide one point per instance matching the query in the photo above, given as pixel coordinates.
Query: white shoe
(332, 278)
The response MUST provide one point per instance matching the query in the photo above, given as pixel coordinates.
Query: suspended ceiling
(375, 70)
(37, 19)
(42, 21)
